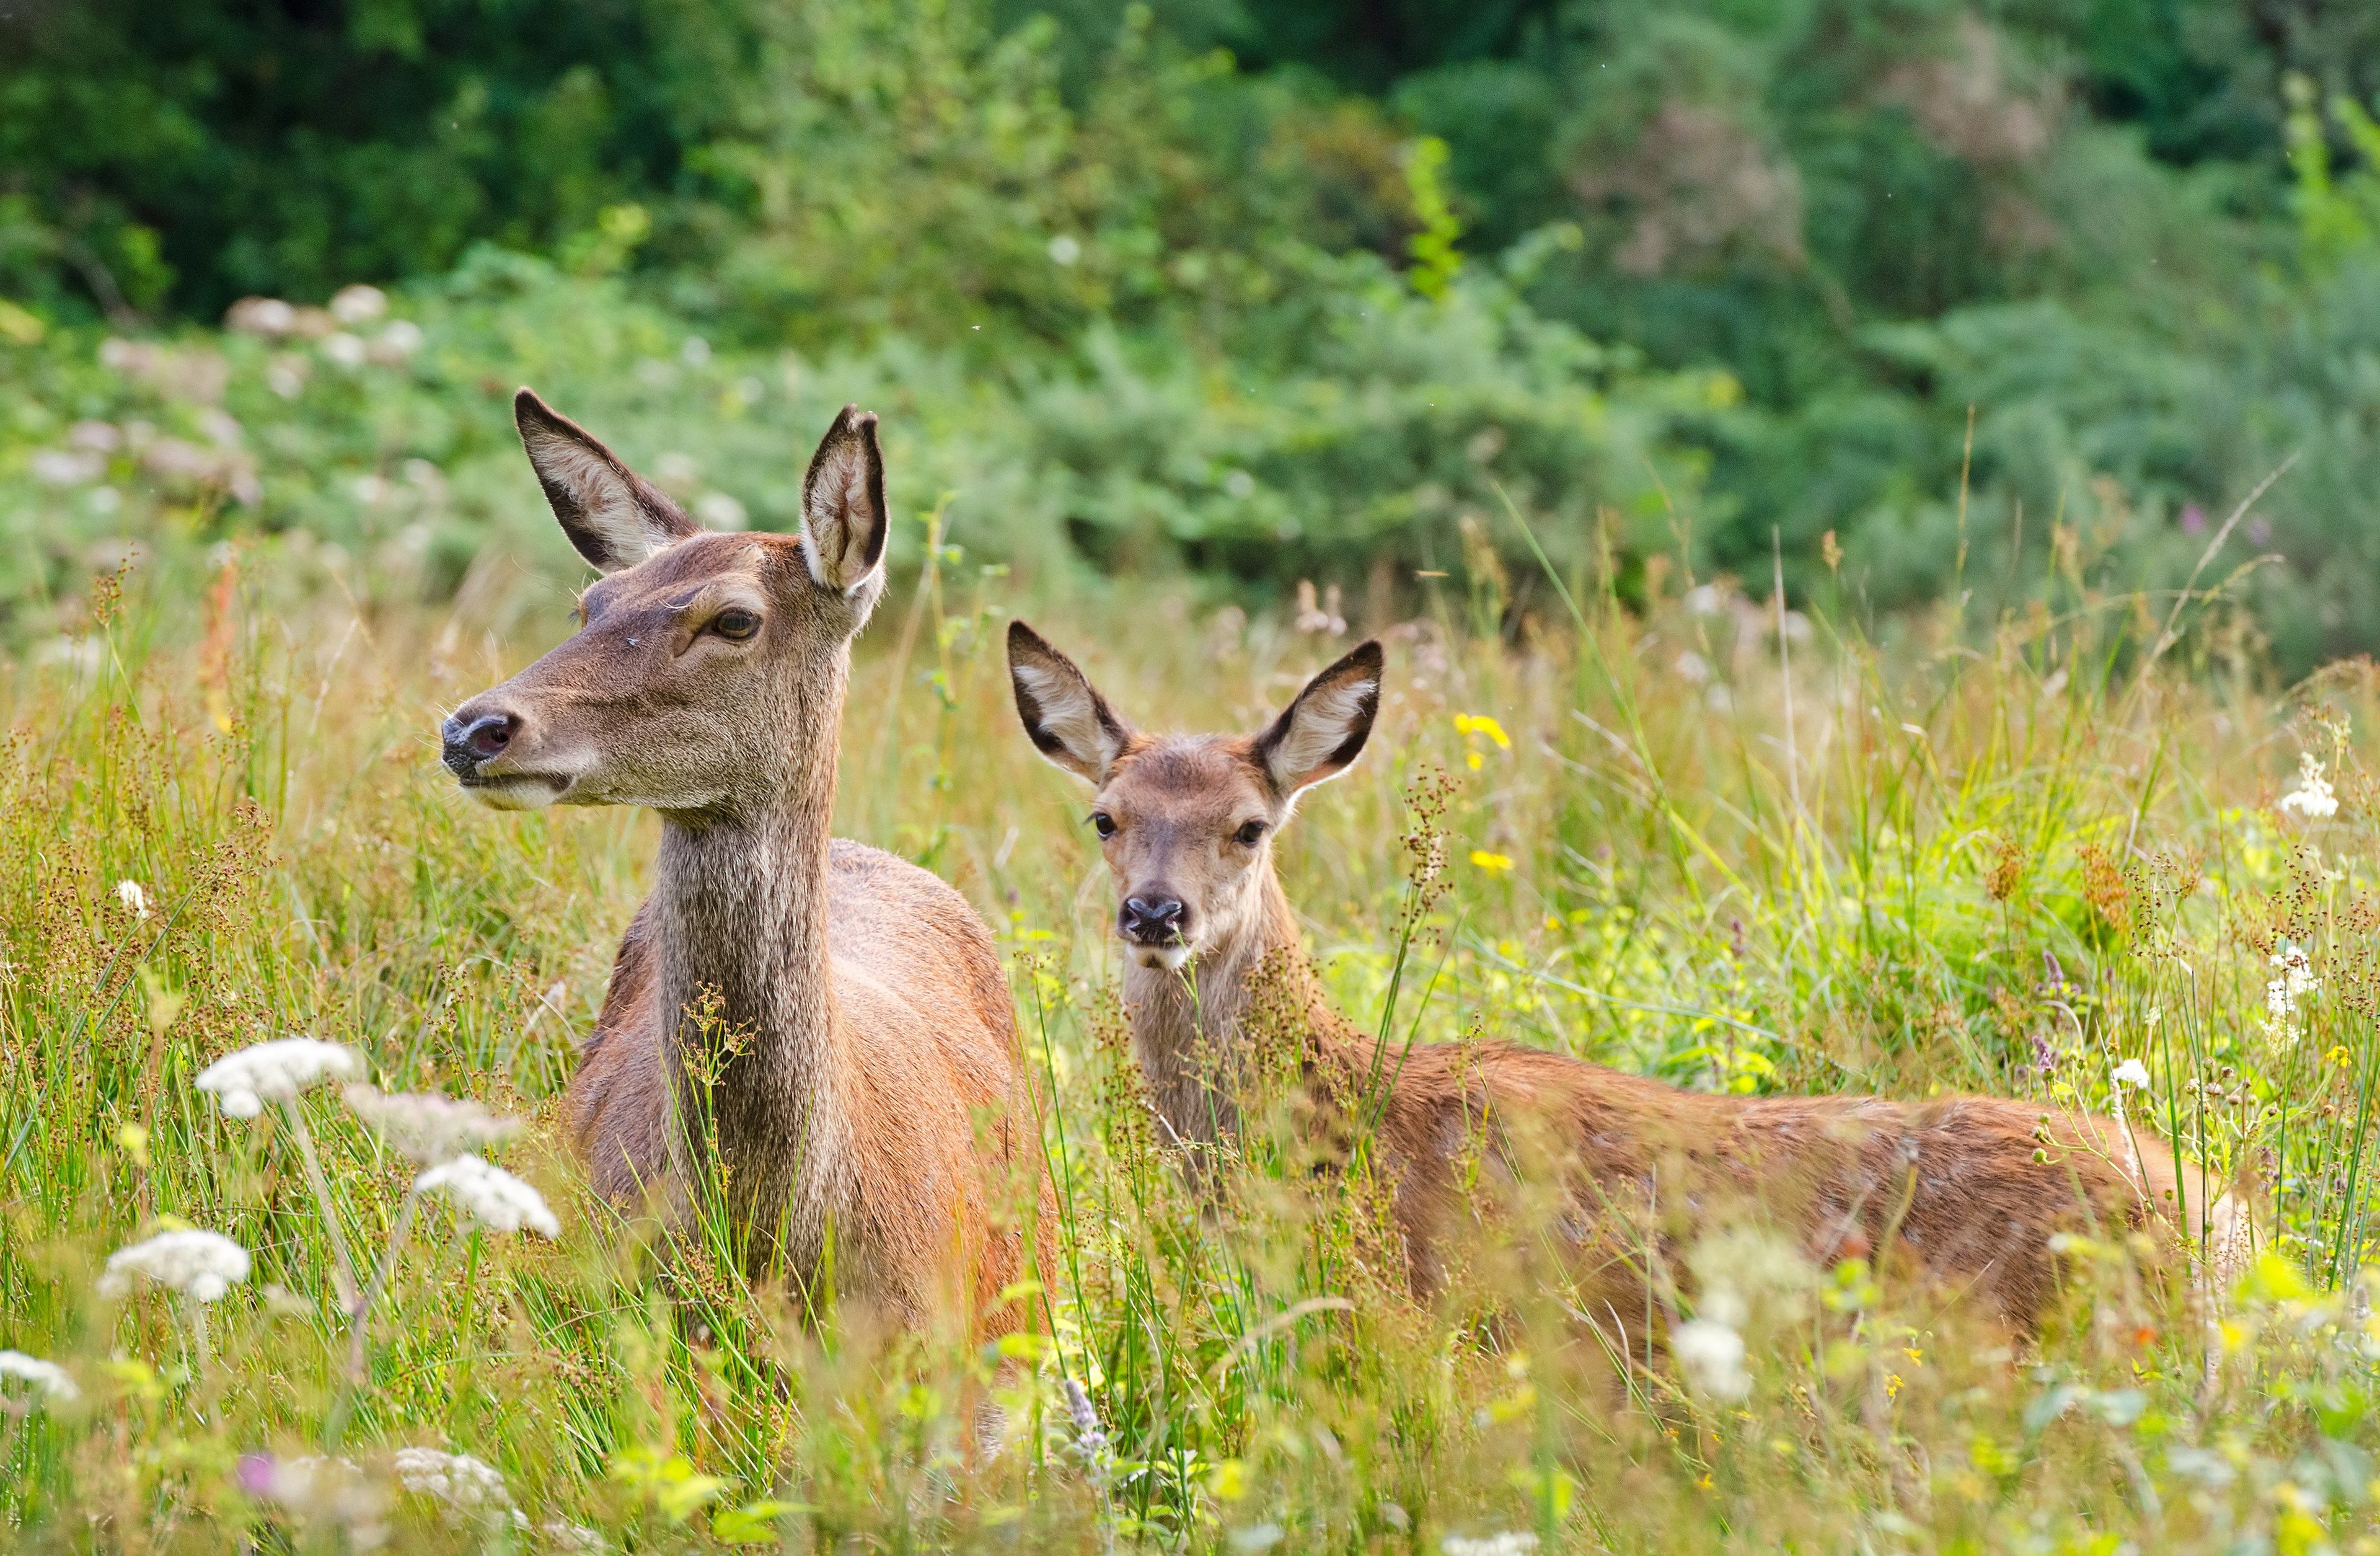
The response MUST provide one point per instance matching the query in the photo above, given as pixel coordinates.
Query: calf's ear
(1065, 717)
(1320, 735)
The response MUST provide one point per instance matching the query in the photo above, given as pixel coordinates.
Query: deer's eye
(734, 624)
(1250, 834)
(1103, 824)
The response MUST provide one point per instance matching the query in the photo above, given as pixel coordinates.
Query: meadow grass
(2006, 857)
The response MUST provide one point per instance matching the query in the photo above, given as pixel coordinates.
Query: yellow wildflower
(1495, 864)
(1482, 723)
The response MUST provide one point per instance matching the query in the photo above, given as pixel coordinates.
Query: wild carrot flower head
(490, 1195)
(463, 1486)
(135, 899)
(203, 1266)
(2132, 1073)
(48, 1379)
(2293, 980)
(2312, 797)
(1712, 1355)
(275, 1072)
(429, 1129)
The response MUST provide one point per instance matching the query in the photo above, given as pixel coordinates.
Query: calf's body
(1618, 1170)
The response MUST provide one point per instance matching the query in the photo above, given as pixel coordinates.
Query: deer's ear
(1069, 722)
(1322, 733)
(844, 521)
(612, 515)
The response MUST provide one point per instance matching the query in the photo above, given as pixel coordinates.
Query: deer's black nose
(1153, 920)
(470, 741)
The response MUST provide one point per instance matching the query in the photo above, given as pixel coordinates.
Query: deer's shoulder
(912, 931)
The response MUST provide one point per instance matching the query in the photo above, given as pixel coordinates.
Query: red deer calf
(1961, 1187)
(853, 1058)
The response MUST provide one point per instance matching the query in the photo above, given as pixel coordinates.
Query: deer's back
(1970, 1188)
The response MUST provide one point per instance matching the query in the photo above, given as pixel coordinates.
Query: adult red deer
(831, 1019)
(1969, 1189)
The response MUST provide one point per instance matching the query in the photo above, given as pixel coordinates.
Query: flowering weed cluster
(1952, 876)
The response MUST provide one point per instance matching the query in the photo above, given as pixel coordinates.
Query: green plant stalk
(360, 1312)
(343, 1272)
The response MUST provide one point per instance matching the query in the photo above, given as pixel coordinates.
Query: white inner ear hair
(606, 502)
(838, 519)
(1069, 715)
(1324, 720)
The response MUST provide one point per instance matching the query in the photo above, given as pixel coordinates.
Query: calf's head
(1187, 822)
(701, 658)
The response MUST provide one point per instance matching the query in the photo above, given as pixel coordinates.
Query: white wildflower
(1512, 1542)
(563, 1535)
(1712, 1355)
(346, 350)
(2312, 797)
(490, 1195)
(135, 900)
(429, 1129)
(203, 1266)
(47, 1378)
(2294, 981)
(2132, 1073)
(275, 1072)
(467, 1487)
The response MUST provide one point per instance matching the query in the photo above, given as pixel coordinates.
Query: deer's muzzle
(470, 741)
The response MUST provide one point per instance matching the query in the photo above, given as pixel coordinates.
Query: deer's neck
(742, 899)
(1187, 1026)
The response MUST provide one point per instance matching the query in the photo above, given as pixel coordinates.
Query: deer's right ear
(1069, 722)
(844, 518)
(612, 515)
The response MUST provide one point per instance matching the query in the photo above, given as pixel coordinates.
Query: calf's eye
(1250, 832)
(1103, 824)
(736, 625)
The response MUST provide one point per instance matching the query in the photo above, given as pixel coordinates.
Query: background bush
(1275, 293)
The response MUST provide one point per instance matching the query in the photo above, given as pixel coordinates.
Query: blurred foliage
(1732, 274)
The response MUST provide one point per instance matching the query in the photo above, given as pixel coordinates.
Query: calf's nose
(1152, 919)
(471, 738)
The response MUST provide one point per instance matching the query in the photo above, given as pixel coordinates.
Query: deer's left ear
(843, 519)
(1319, 735)
(614, 516)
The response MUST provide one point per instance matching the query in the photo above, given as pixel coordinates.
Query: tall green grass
(1979, 857)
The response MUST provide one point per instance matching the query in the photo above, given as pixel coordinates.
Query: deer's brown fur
(1970, 1190)
(848, 1008)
